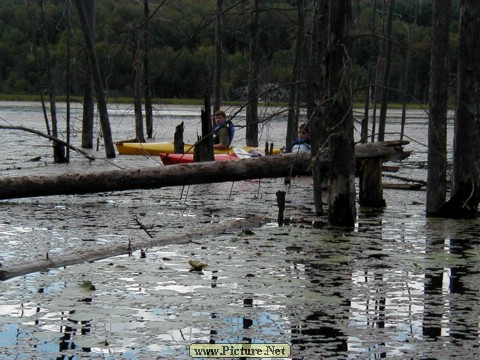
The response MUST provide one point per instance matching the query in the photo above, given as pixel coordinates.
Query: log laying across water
(154, 177)
(56, 261)
(176, 175)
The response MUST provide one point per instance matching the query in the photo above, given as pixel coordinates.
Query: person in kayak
(302, 143)
(223, 132)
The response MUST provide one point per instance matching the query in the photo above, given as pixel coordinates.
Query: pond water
(399, 285)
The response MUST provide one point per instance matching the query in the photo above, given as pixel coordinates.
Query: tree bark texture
(437, 127)
(93, 64)
(341, 209)
(463, 201)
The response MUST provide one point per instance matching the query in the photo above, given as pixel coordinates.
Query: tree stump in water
(178, 143)
(281, 206)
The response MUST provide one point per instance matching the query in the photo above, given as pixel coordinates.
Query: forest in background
(182, 46)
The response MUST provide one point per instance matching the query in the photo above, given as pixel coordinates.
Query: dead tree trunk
(386, 75)
(463, 201)
(406, 75)
(137, 81)
(217, 78)
(252, 106)
(341, 210)
(53, 262)
(146, 72)
(93, 64)
(187, 174)
(58, 148)
(151, 178)
(296, 74)
(204, 148)
(88, 90)
(316, 94)
(369, 87)
(437, 127)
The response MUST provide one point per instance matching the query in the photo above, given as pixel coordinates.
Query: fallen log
(52, 262)
(178, 175)
(158, 177)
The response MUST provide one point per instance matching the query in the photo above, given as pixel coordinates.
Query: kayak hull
(136, 148)
(173, 159)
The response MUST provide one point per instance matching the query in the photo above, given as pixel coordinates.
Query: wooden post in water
(178, 139)
(371, 188)
(281, 206)
(204, 146)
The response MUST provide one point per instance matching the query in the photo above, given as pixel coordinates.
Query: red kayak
(172, 159)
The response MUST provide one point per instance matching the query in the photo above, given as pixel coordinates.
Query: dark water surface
(398, 286)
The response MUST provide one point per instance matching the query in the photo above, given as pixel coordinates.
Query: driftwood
(175, 175)
(51, 262)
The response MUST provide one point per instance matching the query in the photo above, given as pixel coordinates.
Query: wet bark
(437, 127)
(465, 196)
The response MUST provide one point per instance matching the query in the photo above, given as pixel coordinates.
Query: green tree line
(182, 35)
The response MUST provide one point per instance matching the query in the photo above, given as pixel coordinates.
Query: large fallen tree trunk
(151, 178)
(176, 175)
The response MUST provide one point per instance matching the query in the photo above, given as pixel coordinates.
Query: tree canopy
(182, 37)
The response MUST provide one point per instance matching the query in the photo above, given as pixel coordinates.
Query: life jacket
(230, 130)
(300, 145)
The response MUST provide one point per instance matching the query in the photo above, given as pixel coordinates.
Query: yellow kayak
(136, 148)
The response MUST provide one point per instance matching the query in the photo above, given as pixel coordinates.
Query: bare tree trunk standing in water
(217, 81)
(316, 94)
(296, 75)
(93, 64)
(437, 127)
(252, 106)
(88, 88)
(463, 201)
(58, 149)
(146, 72)
(386, 75)
(341, 203)
(137, 81)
